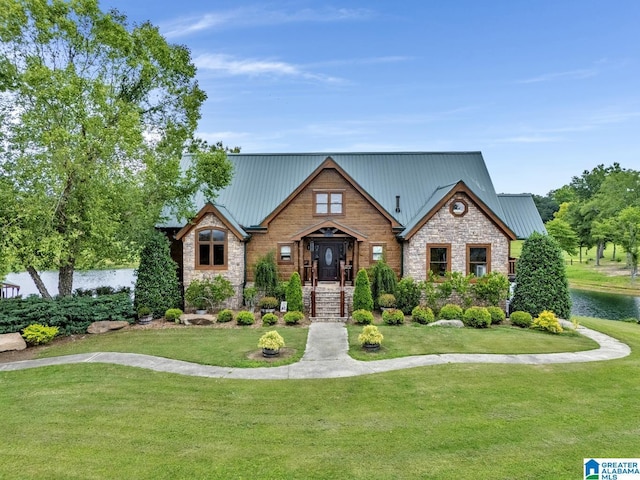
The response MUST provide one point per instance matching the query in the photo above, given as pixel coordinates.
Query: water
(122, 277)
(604, 305)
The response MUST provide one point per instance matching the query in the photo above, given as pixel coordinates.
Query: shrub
(249, 295)
(245, 318)
(144, 311)
(266, 274)
(269, 319)
(268, 303)
(541, 281)
(362, 317)
(205, 293)
(393, 317)
(157, 285)
(497, 315)
(225, 316)
(362, 298)
(37, 334)
(422, 315)
(70, 314)
(387, 300)
(383, 280)
(478, 317)
(281, 291)
(173, 315)
(293, 318)
(492, 288)
(105, 290)
(451, 312)
(547, 321)
(294, 293)
(370, 336)
(521, 319)
(407, 295)
(271, 340)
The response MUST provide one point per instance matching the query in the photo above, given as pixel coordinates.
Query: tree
(294, 293)
(157, 285)
(628, 223)
(95, 116)
(362, 299)
(541, 281)
(266, 274)
(546, 206)
(563, 234)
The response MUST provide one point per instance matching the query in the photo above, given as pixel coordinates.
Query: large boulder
(106, 326)
(447, 323)
(12, 341)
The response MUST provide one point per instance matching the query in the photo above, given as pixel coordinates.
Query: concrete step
(326, 319)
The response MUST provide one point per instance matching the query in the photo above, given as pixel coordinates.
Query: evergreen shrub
(293, 318)
(422, 315)
(407, 295)
(451, 312)
(266, 274)
(383, 280)
(362, 317)
(548, 322)
(393, 316)
(269, 319)
(294, 293)
(36, 334)
(225, 316)
(157, 285)
(173, 315)
(477, 317)
(497, 315)
(521, 319)
(491, 289)
(387, 300)
(245, 318)
(362, 297)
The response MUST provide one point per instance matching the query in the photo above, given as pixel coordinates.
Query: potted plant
(386, 301)
(271, 343)
(144, 315)
(370, 338)
(268, 305)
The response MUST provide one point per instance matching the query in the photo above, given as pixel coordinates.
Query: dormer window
(328, 203)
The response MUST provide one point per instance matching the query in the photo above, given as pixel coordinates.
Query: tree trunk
(599, 250)
(614, 252)
(65, 278)
(580, 253)
(35, 276)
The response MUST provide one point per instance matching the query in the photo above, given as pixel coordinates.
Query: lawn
(95, 421)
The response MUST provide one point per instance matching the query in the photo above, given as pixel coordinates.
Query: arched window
(211, 248)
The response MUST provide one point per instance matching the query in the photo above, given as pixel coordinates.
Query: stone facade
(234, 270)
(474, 227)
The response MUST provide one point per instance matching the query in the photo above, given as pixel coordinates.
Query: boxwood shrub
(451, 312)
(269, 319)
(293, 318)
(478, 317)
(362, 317)
(225, 316)
(497, 315)
(245, 318)
(422, 315)
(393, 316)
(521, 319)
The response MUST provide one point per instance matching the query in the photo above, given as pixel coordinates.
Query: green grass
(209, 346)
(416, 339)
(459, 422)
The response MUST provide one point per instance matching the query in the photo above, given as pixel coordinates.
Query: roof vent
(397, 203)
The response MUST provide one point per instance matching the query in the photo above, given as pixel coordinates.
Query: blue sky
(545, 89)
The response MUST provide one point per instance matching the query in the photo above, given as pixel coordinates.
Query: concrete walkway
(326, 356)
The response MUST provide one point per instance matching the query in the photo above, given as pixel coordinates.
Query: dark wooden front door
(328, 261)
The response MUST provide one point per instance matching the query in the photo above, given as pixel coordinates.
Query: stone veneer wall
(473, 227)
(235, 260)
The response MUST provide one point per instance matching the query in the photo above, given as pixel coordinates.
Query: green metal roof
(521, 214)
(261, 182)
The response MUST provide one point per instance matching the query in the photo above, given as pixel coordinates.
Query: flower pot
(145, 319)
(201, 311)
(371, 347)
(264, 311)
(270, 352)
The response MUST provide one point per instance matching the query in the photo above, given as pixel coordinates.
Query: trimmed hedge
(521, 319)
(477, 317)
(245, 318)
(225, 316)
(293, 318)
(269, 319)
(497, 315)
(362, 317)
(423, 315)
(451, 312)
(393, 316)
(71, 315)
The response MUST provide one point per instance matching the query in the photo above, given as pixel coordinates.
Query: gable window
(328, 203)
(478, 259)
(377, 253)
(211, 248)
(439, 259)
(285, 253)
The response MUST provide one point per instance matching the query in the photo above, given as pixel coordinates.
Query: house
(327, 215)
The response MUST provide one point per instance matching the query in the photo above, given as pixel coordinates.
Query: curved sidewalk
(326, 356)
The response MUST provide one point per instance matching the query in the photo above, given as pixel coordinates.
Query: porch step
(328, 319)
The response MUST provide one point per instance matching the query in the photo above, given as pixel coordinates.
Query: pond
(604, 305)
(116, 278)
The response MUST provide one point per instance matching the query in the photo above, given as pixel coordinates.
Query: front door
(329, 256)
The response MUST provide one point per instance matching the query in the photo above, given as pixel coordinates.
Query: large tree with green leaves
(541, 281)
(95, 115)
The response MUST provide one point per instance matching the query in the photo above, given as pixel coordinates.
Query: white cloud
(570, 75)
(260, 15)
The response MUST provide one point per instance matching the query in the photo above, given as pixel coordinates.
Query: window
(377, 253)
(328, 203)
(478, 259)
(439, 259)
(285, 253)
(211, 248)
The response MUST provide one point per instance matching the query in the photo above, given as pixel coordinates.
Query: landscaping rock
(447, 323)
(12, 341)
(106, 326)
(199, 320)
